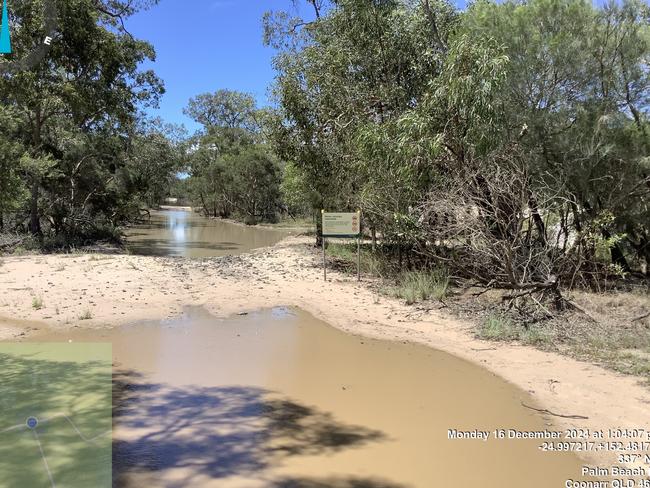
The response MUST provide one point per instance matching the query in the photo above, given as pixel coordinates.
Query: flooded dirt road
(188, 234)
(278, 398)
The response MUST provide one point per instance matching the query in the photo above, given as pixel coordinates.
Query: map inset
(55, 415)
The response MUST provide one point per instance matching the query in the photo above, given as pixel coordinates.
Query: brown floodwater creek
(180, 232)
(277, 398)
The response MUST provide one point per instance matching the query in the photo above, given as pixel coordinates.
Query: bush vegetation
(232, 171)
(37, 302)
(416, 286)
(77, 156)
(509, 141)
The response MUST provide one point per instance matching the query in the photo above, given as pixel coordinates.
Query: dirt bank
(102, 291)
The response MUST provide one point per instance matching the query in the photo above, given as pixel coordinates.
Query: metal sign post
(359, 258)
(324, 262)
(344, 225)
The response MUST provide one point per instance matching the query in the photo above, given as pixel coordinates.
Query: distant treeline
(232, 170)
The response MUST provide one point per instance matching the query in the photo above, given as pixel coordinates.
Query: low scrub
(37, 303)
(52, 242)
(415, 286)
(345, 255)
(614, 341)
(501, 327)
(86, 315)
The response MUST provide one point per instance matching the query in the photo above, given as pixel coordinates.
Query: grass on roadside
(622, 349)
(86, 315)
(299, 224)
(98, 257)
(499, 327)
(345, 255)
(415, 286)
(37, 302)
(20, 251)
(411, 286)
(626, 350)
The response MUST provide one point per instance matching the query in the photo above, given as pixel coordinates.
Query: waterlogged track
(187, 234)
(279, 399)
(121, 289)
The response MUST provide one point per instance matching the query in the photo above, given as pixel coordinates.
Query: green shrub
(37, 303)
(372, 263)
(250, 220)
(414, 286)
(498, 328)
(86, 315)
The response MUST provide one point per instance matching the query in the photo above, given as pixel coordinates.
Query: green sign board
(341, 224)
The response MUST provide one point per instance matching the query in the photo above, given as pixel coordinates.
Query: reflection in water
(279, 399)
(187, 234)
(178, 228)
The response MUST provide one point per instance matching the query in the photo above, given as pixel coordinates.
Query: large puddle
(279, 399)
(188, 234)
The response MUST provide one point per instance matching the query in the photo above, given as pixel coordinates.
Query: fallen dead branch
(7, 243)
(548, 412)
(641, 317)
(581, 309)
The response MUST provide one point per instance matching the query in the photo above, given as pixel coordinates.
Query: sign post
(343, 225)
(323, 243)
(359, 258)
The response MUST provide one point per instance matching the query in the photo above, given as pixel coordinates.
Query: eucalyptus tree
(224, 108)
(157, 152)
(12, 189)
(578, 83)
(74, 108)
(343, 81)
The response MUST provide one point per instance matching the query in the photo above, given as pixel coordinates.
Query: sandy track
(121, 289)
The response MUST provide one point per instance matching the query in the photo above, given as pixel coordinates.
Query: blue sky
(205, 45)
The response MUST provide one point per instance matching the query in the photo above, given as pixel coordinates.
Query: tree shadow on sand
(334, 483)
(222, 432)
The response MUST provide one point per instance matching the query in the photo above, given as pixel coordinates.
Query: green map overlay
(55, 415)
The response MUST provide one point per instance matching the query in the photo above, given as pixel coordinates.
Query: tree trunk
(319, 229)
(576, 217)
(34, 217)
(617, 253)
(204, 205)
(537, 219)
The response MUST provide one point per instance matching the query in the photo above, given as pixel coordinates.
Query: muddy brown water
(278, 399)
(184, 233)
